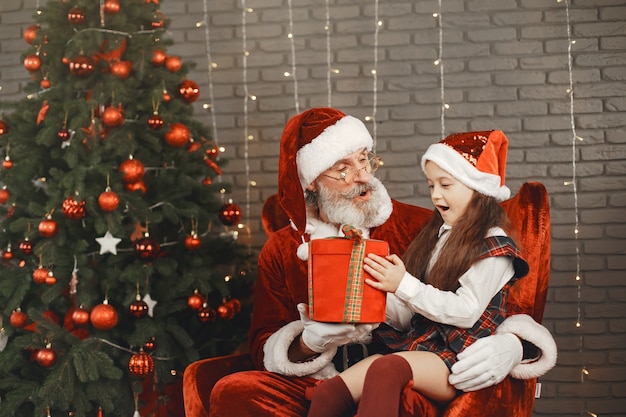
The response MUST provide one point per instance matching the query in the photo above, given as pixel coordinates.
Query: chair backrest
(529, 212)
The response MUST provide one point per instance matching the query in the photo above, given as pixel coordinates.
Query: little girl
(452, 290)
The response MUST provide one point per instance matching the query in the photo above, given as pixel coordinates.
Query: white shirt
(461, 308)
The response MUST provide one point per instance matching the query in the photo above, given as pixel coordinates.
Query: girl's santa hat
(312, 142)
(477, 159)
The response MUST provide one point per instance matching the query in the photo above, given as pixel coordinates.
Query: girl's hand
(387, 272)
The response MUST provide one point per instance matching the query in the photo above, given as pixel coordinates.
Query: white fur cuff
(524, 327)
(276, 359)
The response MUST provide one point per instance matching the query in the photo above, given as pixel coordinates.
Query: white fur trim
(276, 359)
(524, 327)
(453, 162)
(347, 135)
(316, 229)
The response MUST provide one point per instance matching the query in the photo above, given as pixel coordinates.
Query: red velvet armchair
(529, 212)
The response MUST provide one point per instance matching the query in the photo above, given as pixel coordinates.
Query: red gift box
(337, 289)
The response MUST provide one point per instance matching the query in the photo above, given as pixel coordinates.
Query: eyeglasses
(371, 163)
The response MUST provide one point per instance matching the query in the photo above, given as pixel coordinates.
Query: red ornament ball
(173, 63)
(212, 152)
(159, 20)
(136, 186)
(82, 66)
(226, 311)
(155, 122)
(72, 209)
(50, 278)
(75, 16)
(32, 63)
(7, 255)
(7, 163)
(158, 57)
(45, 83)
(236, 305)
(138, 308)
(40, 275)
(195, 301)
(121, 69)
(132, 170)
(80, 316)
(108, 200)
(103, 316)
(4, 195)
(26, 247)
(147, 249)
(113, 117)
(206, 314)
(177, 136)
(63, 135)
(189, 91)
(46, 357)
(3, 127)
(141, 364)
(111, 6)
(193, 242)
(18, 318)
(47, 228)
(150, 345)
(30, 33)
(229, 214)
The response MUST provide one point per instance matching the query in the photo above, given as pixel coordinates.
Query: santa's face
(363, 202)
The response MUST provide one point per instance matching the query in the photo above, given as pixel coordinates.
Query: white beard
(340, 208)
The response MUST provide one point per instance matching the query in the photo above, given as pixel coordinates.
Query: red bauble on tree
(113, 116)
(158, 57)
(26, 247)
(3, 127)
(75, 16)
(40, 275)
(136, 186)
(82, 66)
(46, 357)
(206, 314)
(147, 248)
(18, 318)
(177, 136)
(30, 33)
(111, 6)
(150, 345)
(195, 301)
(32, 63)
(50, 278)
(226, 311)
(7, 255)
(158, 20)
(155, 122)
(132, 170)
(193, 242)
(173, 63)
(63, 135)
(4, 195)
(141, 364)
(103, 316)
(48, 227)
(121, 69)
(80, 316)
(189, 91)
(72, 209)
(108, 200)
(138, 308)
(45, 83)
(229, 214)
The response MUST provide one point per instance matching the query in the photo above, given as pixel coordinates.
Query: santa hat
(312, 142)
(477, 159)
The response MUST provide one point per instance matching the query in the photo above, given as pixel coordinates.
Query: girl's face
(450, 196)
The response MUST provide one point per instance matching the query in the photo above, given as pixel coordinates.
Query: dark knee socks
(384, 383)
(332, 398)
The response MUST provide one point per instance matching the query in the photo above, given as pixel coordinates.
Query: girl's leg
(430, 375)
(337, 397)
(387, 377)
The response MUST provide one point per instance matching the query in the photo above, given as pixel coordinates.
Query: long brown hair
(463, 247)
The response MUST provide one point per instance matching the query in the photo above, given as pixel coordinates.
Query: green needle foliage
(66, 143)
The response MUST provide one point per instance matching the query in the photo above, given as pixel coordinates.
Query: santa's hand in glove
(319, 336)
(486, 362)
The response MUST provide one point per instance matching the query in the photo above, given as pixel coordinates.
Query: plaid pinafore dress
(448, 341)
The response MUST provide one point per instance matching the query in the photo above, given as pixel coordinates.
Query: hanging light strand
(329, 69)
(293, 59)
(377, 24)
(246, 98)
(439, 62)
(207, 38)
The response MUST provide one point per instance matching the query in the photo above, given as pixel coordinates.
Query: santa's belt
(348, 355)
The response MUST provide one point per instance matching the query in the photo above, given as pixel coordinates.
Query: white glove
(486, 362)
(320, 336)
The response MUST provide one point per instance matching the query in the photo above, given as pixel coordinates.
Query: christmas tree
(120, 263)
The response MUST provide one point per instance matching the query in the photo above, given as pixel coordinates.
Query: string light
(329, 70)
(293, 59)
(377, 25)
(439, 63)
(575, 138)
(246, 97)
